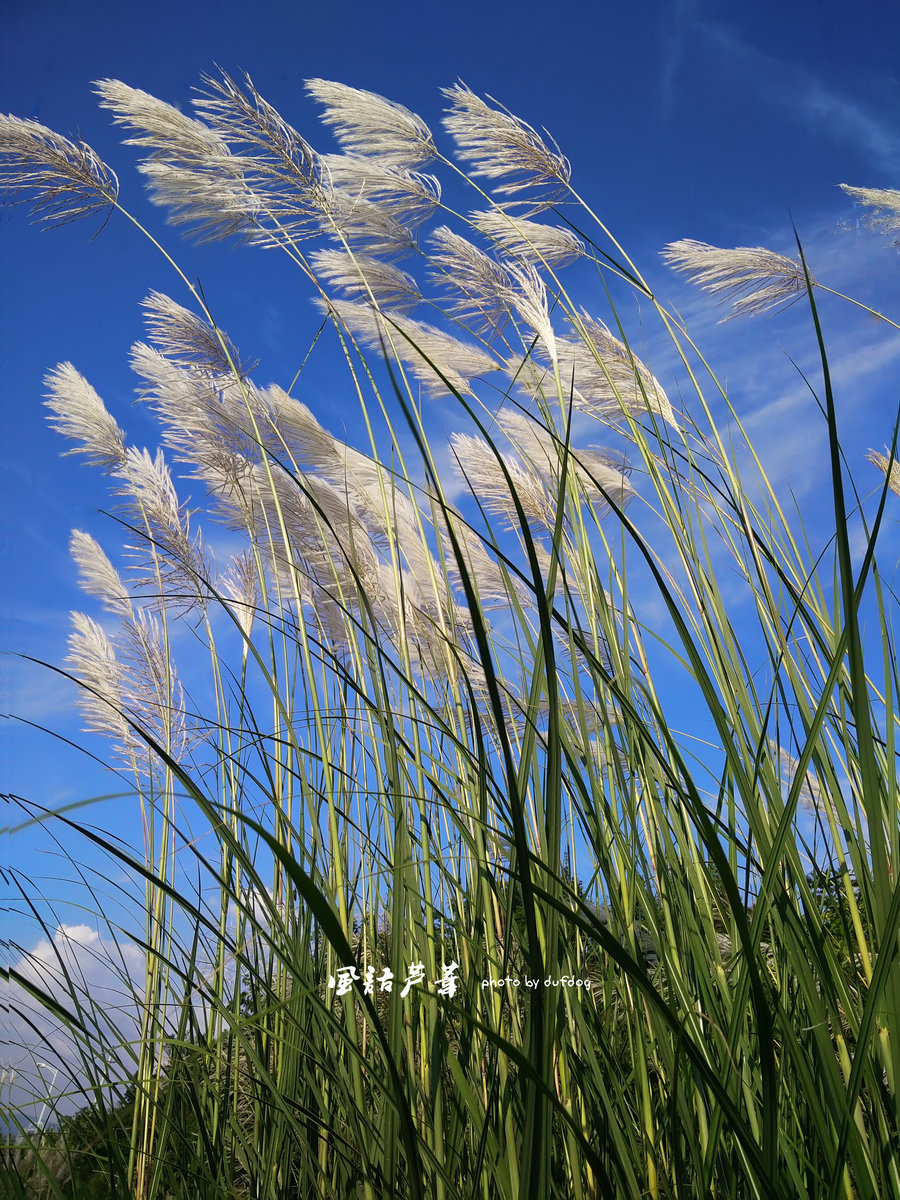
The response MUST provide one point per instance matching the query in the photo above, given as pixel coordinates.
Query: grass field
(530, 729)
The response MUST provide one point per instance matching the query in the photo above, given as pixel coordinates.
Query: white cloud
(47, 1058)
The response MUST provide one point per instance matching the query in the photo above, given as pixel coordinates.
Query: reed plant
(441, 898)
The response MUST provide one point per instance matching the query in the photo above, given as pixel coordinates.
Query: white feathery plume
(534, 241)
(245, 119)
(313, 447)
(80, 414)
(601, 474)
(206, 417)
(360, 276)
(366, 123)
(190, 168)
(328, 547)
(189, 340)
(151, 690)
(435, 358)
(529, 298)
(377, 496)
(174, 558)
(885, 201)
(409, 196)
(68, 180)
(247, 174)
(159, 127)
(93, 661)
(811, 794)
(99, 578)
(337, 528)
(531, 440)
(482, 469)
(493, 587)
(216, 204)
(360, 223)
(479, 286)
(638, 388)
(603, 477)
(148, 482)
(599, 373)
(889, 467)
(501, 146)
(241, 584)
(279, 165)
(753, 278)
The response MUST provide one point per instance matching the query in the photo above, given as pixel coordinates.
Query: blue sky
(690, 119)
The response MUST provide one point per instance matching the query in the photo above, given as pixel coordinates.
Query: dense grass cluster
(422, 725)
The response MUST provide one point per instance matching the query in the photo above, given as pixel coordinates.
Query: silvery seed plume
(151, 690)
(79, 414)
(362, 224)
(337, 527)
(368, 124)
(501, 146)
(189, 340)
(194, 173)
(214, 205)
(206, 417)
(93, 661)
(174, 560)
(246, 120)
(409, 196)
(479, 287)
(885, 201)
(631, 378)
(601, 379)
(811, 794)
(191, 170)
(66, 180)
(435, 358)
(534, 442)
(493, 586)
(279, 165)
(328, 548)
(360, 276)
(480, 466)
(533, 241)
(379, 499)
(753, 278)
(889, 467)
(99, 578)
(530, 301)
(601, 475)
(167, 132)
(312, 447)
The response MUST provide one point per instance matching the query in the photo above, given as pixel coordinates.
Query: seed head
(66, 180)
(755, 279)
(366, 123)
(501, 146)
(889, 467)
(885, 201)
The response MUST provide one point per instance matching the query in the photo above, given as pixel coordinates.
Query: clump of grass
(438, 743)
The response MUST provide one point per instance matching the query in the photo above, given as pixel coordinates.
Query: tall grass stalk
(560, 714)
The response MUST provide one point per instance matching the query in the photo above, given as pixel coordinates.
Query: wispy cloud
(45, 1060)
(677, 21)
(801, 95)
